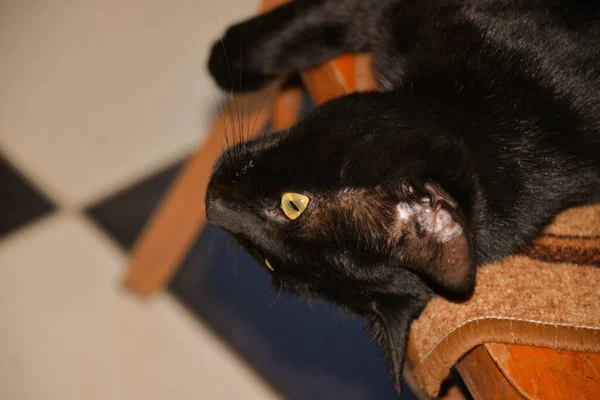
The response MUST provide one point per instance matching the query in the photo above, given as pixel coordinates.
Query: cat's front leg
(297, 35)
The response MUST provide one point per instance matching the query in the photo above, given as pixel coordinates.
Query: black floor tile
(124, 214)
(20, 201)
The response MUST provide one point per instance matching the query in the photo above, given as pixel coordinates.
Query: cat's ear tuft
(433, 242)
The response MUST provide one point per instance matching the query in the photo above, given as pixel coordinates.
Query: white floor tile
(96, 94)
(68, 332)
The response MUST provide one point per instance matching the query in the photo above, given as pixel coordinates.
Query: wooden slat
(330, 80)
(515, 372)
(340, 76)
(483, 378)
(286, 108)
(541, 373)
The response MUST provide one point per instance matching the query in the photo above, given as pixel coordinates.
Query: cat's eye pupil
(294, 206)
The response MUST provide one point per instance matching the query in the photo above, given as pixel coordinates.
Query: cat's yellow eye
(293, 204)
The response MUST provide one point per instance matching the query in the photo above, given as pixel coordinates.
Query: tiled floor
(95, 94)
(68, 332)
(100, 102)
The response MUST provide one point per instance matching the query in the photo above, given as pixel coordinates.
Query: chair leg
(179, 218)
(330, 80)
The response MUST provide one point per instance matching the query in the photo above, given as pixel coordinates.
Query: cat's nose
(219, 214)
(211, 208)
(213, 193)
(217, 211)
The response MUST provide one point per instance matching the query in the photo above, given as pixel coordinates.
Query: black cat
(487, 126)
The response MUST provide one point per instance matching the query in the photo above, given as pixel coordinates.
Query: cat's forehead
(331, 148)
(278, 160)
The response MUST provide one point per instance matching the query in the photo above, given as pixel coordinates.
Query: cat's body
(488, 125)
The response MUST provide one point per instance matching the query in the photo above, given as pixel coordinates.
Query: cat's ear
(390, 320)
(433, 242)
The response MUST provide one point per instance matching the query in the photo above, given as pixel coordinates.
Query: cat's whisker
(373, 337)
(242, 100)
(243, 114)
(226, 129)
(233, 115)
(310, 305)
(240, 121)
(220, 105)
(231, 97)
(278, 294)
(228, 109)
(211, 246)
(232, 249)
(227, 114)
(226, 57)
(260, 108)
(247, 110)
(245, 122)
(235, 120)
(220, 110)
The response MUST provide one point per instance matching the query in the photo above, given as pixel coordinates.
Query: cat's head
(341, 207)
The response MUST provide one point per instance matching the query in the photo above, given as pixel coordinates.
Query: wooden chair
(490, 370)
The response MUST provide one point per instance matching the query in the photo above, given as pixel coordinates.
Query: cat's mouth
(254, 251)
(234, 222)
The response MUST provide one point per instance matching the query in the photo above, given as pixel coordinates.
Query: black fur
(489, 118)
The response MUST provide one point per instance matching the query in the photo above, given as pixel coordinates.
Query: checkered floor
(100, 102)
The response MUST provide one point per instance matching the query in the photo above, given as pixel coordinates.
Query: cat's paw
(233, 64)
